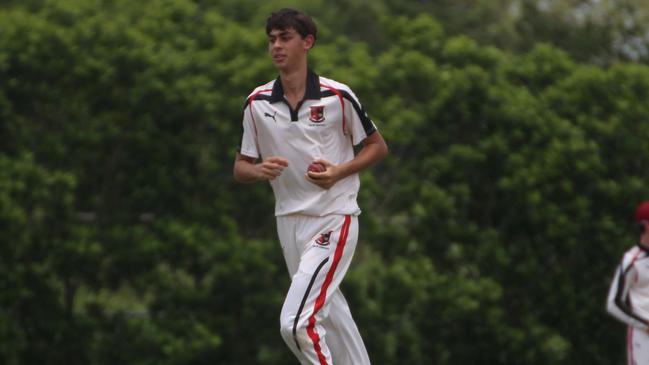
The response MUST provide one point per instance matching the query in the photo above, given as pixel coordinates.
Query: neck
(294, 82)
(644, 240)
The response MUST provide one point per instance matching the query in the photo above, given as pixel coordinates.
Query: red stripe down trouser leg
(316, 322)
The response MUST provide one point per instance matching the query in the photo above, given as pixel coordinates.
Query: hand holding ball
(322, 173)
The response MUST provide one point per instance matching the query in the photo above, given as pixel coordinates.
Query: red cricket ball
(317, 167)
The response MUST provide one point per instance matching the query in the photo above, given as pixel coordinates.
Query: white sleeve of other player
(618, 295)
(249, 145)
(357, 123)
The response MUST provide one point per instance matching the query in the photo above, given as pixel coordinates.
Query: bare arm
(374, 150)
(247, 170)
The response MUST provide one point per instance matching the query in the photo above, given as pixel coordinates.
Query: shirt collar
(312, 88)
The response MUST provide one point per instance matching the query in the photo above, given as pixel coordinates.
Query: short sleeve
(248, 146)
(357, 122)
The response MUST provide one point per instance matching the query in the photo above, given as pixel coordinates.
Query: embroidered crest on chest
(317, 114)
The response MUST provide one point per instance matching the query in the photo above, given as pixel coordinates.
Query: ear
(308, 42)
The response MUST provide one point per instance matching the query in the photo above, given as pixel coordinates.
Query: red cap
(642, 212)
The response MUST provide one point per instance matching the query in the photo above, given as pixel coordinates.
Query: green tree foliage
(41, 246)
(489, 234)
(598, 31)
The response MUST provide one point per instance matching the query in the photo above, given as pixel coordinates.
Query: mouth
(279, 57)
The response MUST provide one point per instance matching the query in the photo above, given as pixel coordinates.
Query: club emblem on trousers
(323, 240)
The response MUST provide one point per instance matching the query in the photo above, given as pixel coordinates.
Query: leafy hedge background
(518, 135)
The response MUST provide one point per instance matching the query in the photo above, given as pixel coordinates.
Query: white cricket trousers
(637, 346)
(315, 322)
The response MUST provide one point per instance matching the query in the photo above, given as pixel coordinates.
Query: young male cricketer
(290, 122)
(628, 297)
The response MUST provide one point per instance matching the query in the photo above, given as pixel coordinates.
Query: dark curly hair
(291, 18)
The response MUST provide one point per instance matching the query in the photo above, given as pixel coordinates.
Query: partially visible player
(628, 297)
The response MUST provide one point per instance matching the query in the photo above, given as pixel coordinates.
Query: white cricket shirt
(628, 297)
(326, 124)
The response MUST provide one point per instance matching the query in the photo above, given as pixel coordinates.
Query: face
(287, 48)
